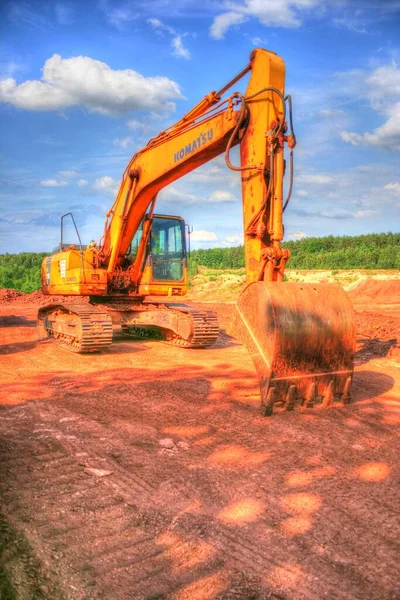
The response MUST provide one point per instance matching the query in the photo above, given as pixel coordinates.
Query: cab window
(167, 249)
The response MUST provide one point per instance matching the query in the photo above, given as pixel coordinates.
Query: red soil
(377, 290)
(8, 296)
(95, 503)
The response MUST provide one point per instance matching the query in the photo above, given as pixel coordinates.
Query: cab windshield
(167, 249)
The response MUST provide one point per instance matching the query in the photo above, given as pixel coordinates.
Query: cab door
(167, 250)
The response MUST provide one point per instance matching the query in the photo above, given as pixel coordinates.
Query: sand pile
(382, 291)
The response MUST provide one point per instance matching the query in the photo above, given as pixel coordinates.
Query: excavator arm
(256, 121)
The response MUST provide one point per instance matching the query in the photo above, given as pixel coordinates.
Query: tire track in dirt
(237, 548)
(123, 555)
(147, 563)
(81, 444)
(128, 555)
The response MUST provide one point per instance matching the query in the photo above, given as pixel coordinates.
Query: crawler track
(77, 328)
(88, 328)
(204, 324)
(206, 330)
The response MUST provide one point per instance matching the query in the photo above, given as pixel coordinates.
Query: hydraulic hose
(282, 98)
(242, 117)
(291, 161)
(243, 113)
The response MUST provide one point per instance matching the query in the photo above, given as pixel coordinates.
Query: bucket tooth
(291, 397)
(268, 405)
(329, 395)
(311, 397)
(346, 393)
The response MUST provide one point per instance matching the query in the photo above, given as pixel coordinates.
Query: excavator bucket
(301, 337)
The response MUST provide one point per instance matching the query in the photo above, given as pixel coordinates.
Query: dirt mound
(8, 296)
(377, 335)
(379, 290)
(377, 326)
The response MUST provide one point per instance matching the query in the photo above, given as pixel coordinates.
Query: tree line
(372, 251)
(21, 271)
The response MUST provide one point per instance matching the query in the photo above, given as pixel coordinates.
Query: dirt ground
(147, 472)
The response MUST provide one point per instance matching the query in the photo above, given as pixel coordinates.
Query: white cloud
(319, 179)
(361, 214)
(203, 236)
(355, 139)
(161, 28)
(386, 136)
(83, 81)
(82, 183)
(302, 192)
(68, 174)
(393, 187)
(298, 235)
(106, 185)
(222, 196)
(383, 91)
(234, 240)
(350, 22)
(124, 142)
(366, 168)
(174, 195)
(223, 22)
(135, 124)
(329, 113)
(8, 68)
(285, 13)
(119, 16)
(335, 213)
(366, 195)
(179, 49)
(23, 13)
(257, 41)
(385, 81)
(216, 173)
(52, 183)
(342, 213)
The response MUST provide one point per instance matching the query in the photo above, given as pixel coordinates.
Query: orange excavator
(300, 336)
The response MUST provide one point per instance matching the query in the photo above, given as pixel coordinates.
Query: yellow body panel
(149, 287)
(62, 274)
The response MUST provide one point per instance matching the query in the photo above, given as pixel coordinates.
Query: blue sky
(83, 85)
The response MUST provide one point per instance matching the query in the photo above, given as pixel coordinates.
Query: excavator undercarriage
(89, 327)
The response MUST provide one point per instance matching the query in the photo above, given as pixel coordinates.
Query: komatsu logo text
(197, 143)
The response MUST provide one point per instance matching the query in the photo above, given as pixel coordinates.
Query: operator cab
(166, 249)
